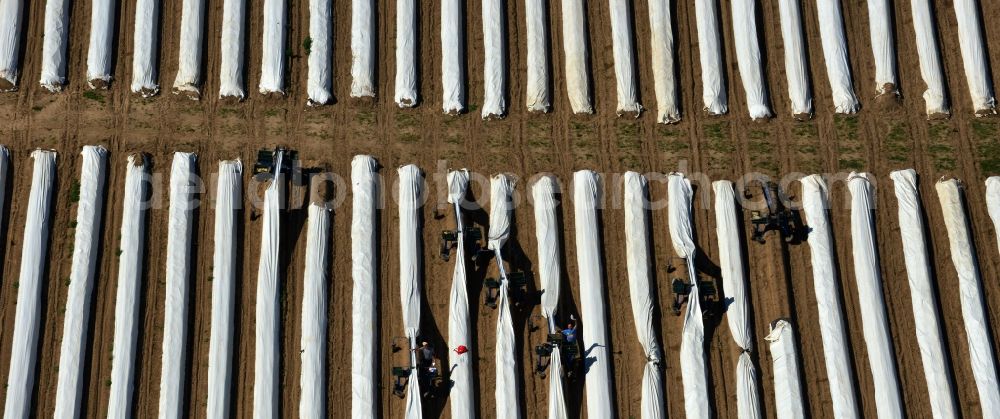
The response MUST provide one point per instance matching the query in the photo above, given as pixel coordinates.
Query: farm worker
(570, 331)
(426, 353)
(461, 349)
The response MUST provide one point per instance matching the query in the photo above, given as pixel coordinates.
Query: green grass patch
(93, 95)
(984, 130)
(74, 192)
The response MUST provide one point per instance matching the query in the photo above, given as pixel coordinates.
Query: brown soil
(877, 140)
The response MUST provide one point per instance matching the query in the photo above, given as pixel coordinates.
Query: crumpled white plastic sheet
(536, 15)
(363, 38)
(11, 13)
(272, 61)
(462, 399)
(364, 273)
(184, 190)
(787, 382)
(925, 32)
(734, 281)
(662, 51)
(501, 208)
(54, 45)
(145, 44)
(748, 57)
(693, 370)
(267, 358)
(406, 53)
(883, 47)
(312, 403)
(411, 185)
(228, 202)
(133, 237)
(974, 58)
(83, 274)
(974, 315)
(320, 52)
(839, 372)
(713, 87)
(495, 59)
(937, 370)
(623, 49)
(875, 323)
(232, 49)
(595, 343)
(575, 55)
(543, 194)
(838, 68)
(452, 57)
(189, 53)
(641, 291)
(102, 37)
(796, 66)
(28, 310)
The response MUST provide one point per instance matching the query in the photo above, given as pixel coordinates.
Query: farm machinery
(268, 161)
(776, 217)
(570, 357)
(409, 360)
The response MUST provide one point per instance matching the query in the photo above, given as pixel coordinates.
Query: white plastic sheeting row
(190, 50)
(538, 97)
(130, 260)
(838, 68)
(575, 55)
(232, 48)
(406, 53)
(102, 33)
(452, 57)
(787, 385)
(693, 369)
(363, 37)
(796, 66)
(411, 185)
(640, 284)
(501, 206)
(992, 194)
(974, 59)
(664, 72)
(875, 323)
(312, 403)
(267, 315)
(184, 188)
(320, 51)
(228, 191)
(145, 43)
(54, 44)
(925, 32)
(883, 47)
(272, 60)
(597, 346)
(747, 48)
(734, 281)
(623, 50)
(713, 87)
(11, 13)
(937, 370)
(462, 399)
(28, 311)
(495, 59)
(974, 315)
(83, 274)
(543, 194)
(364, 274)
(837, 357)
